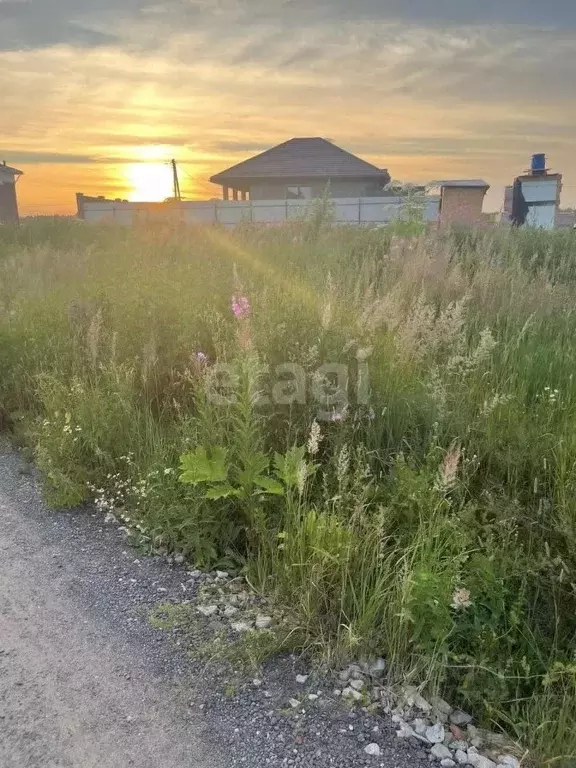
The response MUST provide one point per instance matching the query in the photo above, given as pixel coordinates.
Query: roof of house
(480, 183)
(13, 171)
(302, 158)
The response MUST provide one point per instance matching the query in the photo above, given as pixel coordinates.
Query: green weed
(422, 508)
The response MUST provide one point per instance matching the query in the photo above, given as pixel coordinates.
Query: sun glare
(149, 182)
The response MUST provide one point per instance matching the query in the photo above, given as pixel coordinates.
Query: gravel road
(75, 690)
(86, 681)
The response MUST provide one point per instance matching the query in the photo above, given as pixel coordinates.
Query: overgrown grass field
(379, 429)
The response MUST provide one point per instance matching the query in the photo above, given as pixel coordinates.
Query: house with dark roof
(8, 200)
(301, 168)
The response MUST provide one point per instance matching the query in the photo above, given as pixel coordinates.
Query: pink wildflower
(240, 306)
(201, 357)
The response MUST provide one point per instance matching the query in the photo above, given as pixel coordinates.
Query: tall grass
(431, 518)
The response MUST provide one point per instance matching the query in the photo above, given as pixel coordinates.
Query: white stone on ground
(447, 763)
(358, 685)
(301, 679)
(440, 705)
(241, 626)
(378, 668)
(420, 726)
(440, 752)
(461, 757)
(207, 610)
(435, 733)
(513, 762)
(460, 718)
(373, 749)
(263, 622)
(405, 732)
(350, 693)
(455, 745)
(477, 760)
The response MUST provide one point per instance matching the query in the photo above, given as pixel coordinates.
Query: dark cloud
(87, 23)
(42, 23)
(54, 158)
(554, 13)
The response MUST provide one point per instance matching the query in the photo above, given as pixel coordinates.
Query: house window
(299, 193)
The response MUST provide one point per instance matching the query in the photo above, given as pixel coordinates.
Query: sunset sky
(95, 95)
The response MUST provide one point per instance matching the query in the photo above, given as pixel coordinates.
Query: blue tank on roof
(538, 163)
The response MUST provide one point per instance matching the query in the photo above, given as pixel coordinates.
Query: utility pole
(177, 195)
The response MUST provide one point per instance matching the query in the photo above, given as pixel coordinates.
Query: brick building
(461, 201)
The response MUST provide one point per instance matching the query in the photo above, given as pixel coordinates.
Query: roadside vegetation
(378, 427)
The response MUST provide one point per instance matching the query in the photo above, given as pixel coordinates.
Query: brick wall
(462, 205)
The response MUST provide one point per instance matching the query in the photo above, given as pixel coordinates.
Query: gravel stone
(460, 718)
(455, 745)
(420, 726)
(263, 622)
(461, 757)
(435, 733)
(373, 750)
(477, 760)
(241, 626)
(440, 752)
(377, 668)
(509, 760)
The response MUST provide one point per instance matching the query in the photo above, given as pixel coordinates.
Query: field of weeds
(379, 430)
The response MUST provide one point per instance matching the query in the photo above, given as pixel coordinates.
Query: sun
(149, 182)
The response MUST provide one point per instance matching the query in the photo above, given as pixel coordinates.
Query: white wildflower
(461, 599)
(484, 349)
(315, 438)
(494, 402)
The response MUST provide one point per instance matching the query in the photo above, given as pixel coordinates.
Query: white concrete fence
(363, 211)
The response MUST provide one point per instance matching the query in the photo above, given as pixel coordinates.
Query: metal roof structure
(473, 183)
(310, 158)
(8, 169)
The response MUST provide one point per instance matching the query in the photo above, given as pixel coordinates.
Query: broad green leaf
(198, 467)
(269, 485)
(255, 465)
(287, 467)
(223, 491)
